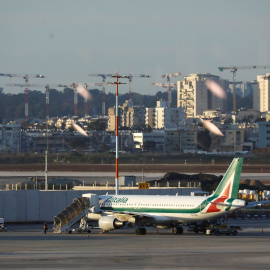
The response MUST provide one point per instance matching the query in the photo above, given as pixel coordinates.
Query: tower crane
(25, 76)
(129, 76)
(103, 76)
(75, 86)
(233, 70)
(47, 87)
(168, 84)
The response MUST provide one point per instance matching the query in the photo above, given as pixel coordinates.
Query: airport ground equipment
(198, 227)
(218, 231)
(217, 227)
(213, 227)
(2, 225)
(79, 208)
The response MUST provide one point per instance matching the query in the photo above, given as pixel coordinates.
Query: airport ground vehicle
(218, 231)
(2, 225)
(218, 227)
(213, 227)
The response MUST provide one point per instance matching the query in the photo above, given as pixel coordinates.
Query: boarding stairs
(74, 212)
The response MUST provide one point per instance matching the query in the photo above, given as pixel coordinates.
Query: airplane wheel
(143, 231)
(138, 231)
(180, 230)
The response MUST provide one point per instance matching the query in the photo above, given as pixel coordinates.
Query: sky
(66, 40)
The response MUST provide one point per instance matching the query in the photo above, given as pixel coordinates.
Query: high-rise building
(194, 96)
(246, 88)
(261, 97)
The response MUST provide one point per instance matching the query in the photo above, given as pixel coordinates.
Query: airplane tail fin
(229, 185)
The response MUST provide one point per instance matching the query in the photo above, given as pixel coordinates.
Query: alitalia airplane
(170, 211)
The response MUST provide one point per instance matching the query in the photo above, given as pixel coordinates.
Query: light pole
(46, 157)
(116, 131)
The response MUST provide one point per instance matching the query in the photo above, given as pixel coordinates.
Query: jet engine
(108, 223)
(239, 203)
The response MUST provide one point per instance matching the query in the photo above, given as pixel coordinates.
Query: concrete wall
(40, 206)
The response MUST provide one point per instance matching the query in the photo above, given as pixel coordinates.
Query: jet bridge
(74, 212)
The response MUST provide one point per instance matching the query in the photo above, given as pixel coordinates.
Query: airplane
(169, 211)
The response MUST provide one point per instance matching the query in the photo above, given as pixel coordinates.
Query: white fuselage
(173, 208)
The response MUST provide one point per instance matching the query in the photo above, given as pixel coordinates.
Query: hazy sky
(65, 40)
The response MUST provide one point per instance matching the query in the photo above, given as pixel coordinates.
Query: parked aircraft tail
(229, 185)
(225, 195)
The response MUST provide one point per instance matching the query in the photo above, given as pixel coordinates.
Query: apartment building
(10, 138)
(261, 97)
(140, 139)
(263, 134)
(194, 96)
(128, 116)
(150, 117)
(234, 138)
(182, 140)
(163, 117)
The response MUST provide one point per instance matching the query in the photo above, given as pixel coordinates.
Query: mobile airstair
(74, 212)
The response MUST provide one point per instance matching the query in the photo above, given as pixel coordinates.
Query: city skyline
(65, 41)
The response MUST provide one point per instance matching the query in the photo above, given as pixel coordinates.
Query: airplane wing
(253, 204)
(248, 204)
(133, 214)
(151, 217)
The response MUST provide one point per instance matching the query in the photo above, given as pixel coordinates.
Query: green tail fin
(229, 185)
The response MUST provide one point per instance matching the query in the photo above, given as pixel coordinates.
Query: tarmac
(25, 246)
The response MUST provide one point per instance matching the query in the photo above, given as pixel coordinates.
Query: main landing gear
(177, 230)
(140, 231)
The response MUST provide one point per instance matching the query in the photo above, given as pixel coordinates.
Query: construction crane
(168, 84)
(233, 70)
(75, 86)
(47, 87)
(103, 76)
(128, 76)
(25, 76)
